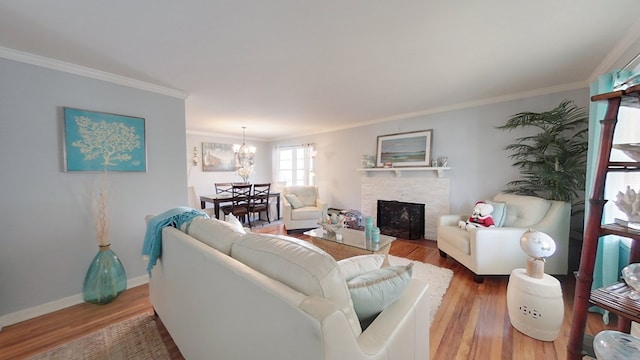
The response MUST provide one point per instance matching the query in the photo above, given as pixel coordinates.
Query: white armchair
(496, 250)
(302, 207)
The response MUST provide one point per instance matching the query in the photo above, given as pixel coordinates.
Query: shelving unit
(398, 171)
(614, 297)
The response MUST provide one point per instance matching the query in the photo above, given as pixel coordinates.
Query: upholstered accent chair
(302, 207)
(496, 250)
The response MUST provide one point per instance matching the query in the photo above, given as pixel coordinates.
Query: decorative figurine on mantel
(629, 203)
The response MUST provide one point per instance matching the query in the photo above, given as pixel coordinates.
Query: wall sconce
(195, 158)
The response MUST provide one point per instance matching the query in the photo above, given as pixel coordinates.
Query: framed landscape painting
(98, 141)
(405, 149)
(218, 157)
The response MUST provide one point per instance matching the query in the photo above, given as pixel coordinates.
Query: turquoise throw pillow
(294, 201)
(373, 291)
(499, 213)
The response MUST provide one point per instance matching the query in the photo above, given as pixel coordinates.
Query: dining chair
(240, 202)
(260, 199)
(223, 187)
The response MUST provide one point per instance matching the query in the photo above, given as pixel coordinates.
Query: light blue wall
(48, 235)
(468, 137)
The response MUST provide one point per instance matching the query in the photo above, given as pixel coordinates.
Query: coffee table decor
(345, 242)
(331, 224)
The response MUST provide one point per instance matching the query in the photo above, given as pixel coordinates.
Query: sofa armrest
(450, 220)
(401, 327)
(401, 331)
(556, 223)
(286, 208)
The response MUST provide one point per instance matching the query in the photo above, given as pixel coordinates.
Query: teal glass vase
(105, 279)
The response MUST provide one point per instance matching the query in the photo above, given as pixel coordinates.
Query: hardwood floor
(471, 323)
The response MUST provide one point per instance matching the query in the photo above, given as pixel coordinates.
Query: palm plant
(553, 161)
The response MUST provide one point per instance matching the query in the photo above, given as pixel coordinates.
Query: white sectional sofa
(223, 294)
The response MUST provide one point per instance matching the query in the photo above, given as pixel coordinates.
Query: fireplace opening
(401, 219)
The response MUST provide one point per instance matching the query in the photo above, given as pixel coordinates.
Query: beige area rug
(133, 339)
(438, 279)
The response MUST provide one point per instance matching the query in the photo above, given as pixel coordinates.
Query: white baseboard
(30, 313)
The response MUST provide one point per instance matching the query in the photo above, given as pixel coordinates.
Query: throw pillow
(235, 223)
(499, 212)
(373, 291)
(361, 264)
(294, 201)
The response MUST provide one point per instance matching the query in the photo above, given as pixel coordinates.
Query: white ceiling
(291, 67)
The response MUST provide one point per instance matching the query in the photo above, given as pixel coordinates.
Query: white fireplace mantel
(426, 189)
(398, 171)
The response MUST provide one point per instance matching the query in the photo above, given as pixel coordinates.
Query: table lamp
(534, 299)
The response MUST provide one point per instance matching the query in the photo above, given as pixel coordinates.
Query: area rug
(438, 279)
(133, 339)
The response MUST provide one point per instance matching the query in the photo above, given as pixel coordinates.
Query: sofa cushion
(294, 201)
(215, 233)
(235, 223)
(307, 213)
(523, 211)
(361, 264)
(299, 265)
(373, 291)
(306, 194)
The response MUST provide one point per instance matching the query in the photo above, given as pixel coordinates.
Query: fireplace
(401, 219)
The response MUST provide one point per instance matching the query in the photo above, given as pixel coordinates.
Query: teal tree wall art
(97, 141)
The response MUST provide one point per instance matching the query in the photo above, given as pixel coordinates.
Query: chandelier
(243, 155)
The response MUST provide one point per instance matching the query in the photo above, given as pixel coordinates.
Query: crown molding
(453, 107)
(53, 64)
(625, 43)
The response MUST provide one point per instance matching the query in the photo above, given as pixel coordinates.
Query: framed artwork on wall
(218, 157)
(405, 149)
(98, 141)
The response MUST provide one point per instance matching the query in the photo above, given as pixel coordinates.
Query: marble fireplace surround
(427, 189)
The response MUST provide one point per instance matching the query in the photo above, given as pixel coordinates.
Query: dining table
(226, 197)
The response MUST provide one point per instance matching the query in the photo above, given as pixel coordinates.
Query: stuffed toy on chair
(480, 218)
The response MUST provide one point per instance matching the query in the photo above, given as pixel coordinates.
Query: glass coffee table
(348, 243)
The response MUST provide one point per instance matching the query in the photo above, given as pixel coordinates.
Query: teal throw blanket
(175, 217)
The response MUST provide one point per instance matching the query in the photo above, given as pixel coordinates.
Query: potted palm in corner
(553, 161)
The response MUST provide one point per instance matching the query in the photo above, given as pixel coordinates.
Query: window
(294, 164)
(627, 131)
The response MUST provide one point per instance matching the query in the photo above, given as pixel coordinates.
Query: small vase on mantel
(105, 279)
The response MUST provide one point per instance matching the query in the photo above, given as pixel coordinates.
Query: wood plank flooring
(471, 323)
